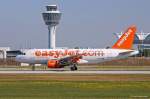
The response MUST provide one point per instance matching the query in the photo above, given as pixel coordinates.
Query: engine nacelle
(53, 64)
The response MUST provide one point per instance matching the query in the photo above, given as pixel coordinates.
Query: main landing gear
(73, 67)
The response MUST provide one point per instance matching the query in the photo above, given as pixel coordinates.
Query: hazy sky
(84, 23)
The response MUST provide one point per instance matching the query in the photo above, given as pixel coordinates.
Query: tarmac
(75, 72)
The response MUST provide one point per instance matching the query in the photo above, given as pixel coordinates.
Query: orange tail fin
(126, 40)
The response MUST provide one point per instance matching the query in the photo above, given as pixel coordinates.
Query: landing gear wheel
(76, 68)
(73, 67)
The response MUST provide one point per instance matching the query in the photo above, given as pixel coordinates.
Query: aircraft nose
(18, 58)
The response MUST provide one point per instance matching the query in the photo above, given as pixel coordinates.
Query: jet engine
(53, 64)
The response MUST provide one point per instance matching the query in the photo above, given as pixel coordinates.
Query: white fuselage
(41, 56)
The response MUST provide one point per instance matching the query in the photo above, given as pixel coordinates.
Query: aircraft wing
(70, 59)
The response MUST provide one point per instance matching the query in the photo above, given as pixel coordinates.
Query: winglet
(126, 40)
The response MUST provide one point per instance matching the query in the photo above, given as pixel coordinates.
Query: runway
(75, 72)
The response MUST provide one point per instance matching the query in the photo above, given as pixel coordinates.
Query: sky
(84, 23)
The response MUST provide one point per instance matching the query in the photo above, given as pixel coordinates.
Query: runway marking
(74, 72)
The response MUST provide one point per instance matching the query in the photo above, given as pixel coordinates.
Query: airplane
(59, 58)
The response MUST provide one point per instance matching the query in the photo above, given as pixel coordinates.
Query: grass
(16, 87)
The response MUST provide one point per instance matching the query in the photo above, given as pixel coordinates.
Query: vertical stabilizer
(126, 40)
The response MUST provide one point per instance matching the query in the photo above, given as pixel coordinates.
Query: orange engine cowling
(53, 64)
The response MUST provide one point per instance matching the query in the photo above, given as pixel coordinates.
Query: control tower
(51, 18)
